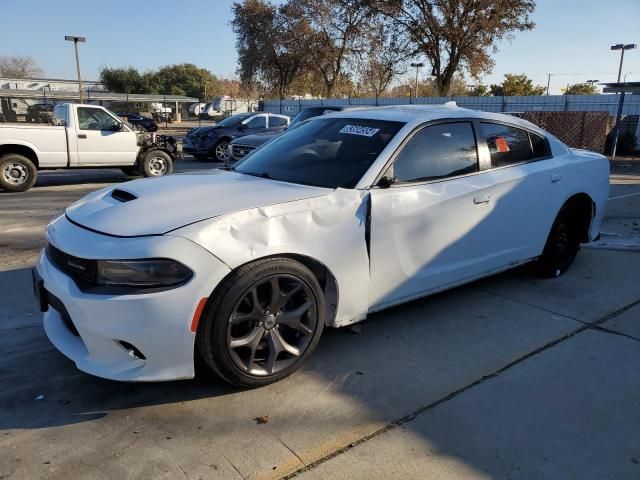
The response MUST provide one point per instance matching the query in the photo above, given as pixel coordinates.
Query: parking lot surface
(509, 377)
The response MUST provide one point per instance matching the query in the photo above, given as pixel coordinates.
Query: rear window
(325, 152)
(507, 145)
(277, 121)
(540, 146)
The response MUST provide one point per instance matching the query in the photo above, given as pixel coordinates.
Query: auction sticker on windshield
(359, 130)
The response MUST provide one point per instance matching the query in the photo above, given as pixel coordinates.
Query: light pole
(75, 40)
(417, 67)
(592, 82)
(548, 81)
(622, 47)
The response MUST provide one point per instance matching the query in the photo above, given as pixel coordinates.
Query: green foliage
(182, 79)
(516, 85)
(479, 91)
(581, 89)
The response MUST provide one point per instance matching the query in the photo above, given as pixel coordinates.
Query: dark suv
(213, 141)
(241, 147)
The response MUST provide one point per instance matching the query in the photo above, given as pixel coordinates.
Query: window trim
(525, 129)
(102, 109)
(258, 115)
(275, 115)
(482, 155)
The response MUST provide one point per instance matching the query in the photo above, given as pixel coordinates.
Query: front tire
(157, 163)
(17, 173)
(221, 151)
(562, 245)
(264, 320)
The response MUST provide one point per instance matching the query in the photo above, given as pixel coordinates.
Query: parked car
(145, 123)
(82, 136)
(213, 141)
(241, 147)
(346, 214)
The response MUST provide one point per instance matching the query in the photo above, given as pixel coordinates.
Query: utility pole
(548, 81)
(75, 40)
(417, 67)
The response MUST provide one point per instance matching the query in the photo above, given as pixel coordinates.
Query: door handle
(482, 199)
(555, 178)
(82, 135)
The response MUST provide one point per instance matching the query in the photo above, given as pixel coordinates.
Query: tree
(581, 89)
(19, 67)
(122, 80)
(516, 85)
(457, 34)
(335, 27)
(381, 56)
(185, 79)
(271, 42)
(181, 79)
(479, 91)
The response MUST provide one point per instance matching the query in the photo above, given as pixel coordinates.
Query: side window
(95, 119)
(540, 146)
(257, 122)
(60, 115)
(438, 151)
(277, 121)
(507, 145)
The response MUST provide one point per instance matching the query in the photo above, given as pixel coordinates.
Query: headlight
(141, 274)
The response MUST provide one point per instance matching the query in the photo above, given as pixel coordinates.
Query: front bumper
(157, 324)
(196, 147)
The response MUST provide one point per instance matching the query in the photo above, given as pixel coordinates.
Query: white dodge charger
(347, 214)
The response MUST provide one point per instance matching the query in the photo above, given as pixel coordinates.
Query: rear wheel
(562, 245)
(157, 163)
(263, 321)
(17, 173)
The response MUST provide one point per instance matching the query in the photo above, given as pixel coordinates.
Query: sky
(571, 39)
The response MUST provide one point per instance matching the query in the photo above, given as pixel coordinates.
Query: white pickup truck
(82, 136)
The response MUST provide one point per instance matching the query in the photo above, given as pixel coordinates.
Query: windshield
(234, 119)
(325, 152)
(307, 113)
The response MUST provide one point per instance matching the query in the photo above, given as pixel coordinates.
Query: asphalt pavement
(509, 377)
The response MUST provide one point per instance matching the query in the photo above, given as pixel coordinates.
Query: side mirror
(387, 181)
(242, 126)
(116, 127)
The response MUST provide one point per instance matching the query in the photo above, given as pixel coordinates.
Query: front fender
(329, 229)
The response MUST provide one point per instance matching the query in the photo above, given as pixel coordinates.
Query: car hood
(159, 205)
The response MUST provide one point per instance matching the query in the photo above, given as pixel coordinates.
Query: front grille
(239, 151)
(81, 270)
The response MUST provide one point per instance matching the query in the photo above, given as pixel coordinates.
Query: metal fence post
(617, 127)
(502, 104)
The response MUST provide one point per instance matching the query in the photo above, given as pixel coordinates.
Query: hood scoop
(122, 195)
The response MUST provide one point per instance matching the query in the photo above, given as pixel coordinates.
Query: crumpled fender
(329, 229)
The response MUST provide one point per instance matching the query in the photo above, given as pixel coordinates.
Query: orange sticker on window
(501, 145)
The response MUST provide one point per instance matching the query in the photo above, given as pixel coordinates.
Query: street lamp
(75, 40)
(417, 67)
(622, 47)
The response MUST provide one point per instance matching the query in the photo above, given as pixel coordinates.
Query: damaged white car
(346, 214)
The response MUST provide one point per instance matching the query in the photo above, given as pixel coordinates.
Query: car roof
(417, 114)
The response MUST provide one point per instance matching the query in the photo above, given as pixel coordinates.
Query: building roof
(619, 87)
(106, 96)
